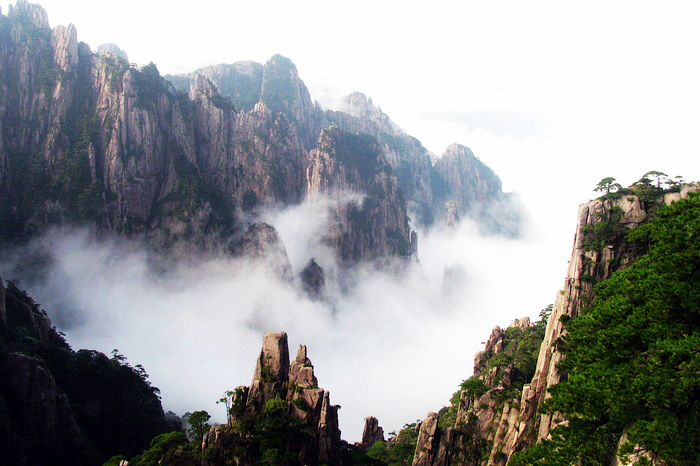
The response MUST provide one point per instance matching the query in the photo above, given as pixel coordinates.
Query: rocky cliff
(58, 406)
(496, 411)
(87, 137)
(282, 414)
(424, 182)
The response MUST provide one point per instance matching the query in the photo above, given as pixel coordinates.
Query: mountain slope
(490, 419)
(58, 406)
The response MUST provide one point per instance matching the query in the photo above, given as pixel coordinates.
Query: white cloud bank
(387, 344)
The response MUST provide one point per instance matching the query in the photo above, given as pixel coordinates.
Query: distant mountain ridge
(186, 162)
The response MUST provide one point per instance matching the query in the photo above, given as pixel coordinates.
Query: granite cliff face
(286, 406)
(87, 137)
(496, 414)
(373, 225)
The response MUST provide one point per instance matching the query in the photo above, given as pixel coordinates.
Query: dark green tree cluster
(521, 348)
(398, 451)
(361, 152)
(633, 357)
(116, 408)
(649, 187)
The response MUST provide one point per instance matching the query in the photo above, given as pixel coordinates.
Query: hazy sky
(552, 96)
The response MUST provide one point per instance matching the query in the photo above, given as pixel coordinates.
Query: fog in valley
(391, 342)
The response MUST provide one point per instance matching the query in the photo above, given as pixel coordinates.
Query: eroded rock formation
(285, 397)
(372, 432)
(313, 279)
(88, 137)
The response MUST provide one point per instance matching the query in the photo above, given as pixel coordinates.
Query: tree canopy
(633, 358)
(608, 185)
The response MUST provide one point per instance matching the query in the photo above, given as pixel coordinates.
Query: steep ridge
(89, 138)
(491, 417)
(58, 406)
(424, 185)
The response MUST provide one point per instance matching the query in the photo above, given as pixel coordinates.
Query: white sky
(553, 96)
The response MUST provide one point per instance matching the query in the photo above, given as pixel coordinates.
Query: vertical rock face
(261, 241)
(496, 428)
(451, 217)
(86, 137)
(473, 189)
(271, 370)
(287, 397)
(374, 223)
(434, 445)
(371, 433)
(469, 180)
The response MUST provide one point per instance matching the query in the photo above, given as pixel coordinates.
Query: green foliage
(113, 403)
(160, 445)
(632, 359)
(115, 67)
(655, 184)
(199, 424)
(223, 103)
(243, 89)
(361, 152)
(149, 84)
(399, 451)
(274, 407)
(608, 185)
(521, 348)
(278, 90)
(227, 400)
(607, 230)
(193, 191)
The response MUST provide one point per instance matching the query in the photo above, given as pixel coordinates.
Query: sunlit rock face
(515, 425)
(186, 165)
(312, 436)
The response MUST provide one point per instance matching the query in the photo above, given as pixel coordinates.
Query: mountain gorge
(185, 184)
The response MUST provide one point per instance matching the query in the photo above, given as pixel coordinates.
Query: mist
(386, 343)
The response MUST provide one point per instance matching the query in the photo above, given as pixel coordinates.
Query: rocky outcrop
(87, 137)
(112, 49)
(462, 180)
(262, 242)
(287, 397)
(54, 402)
(454, 279)
(373, 223)
(434, 445)
(597, 254)
(371, 433)
(451, 216)
(313, 280)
